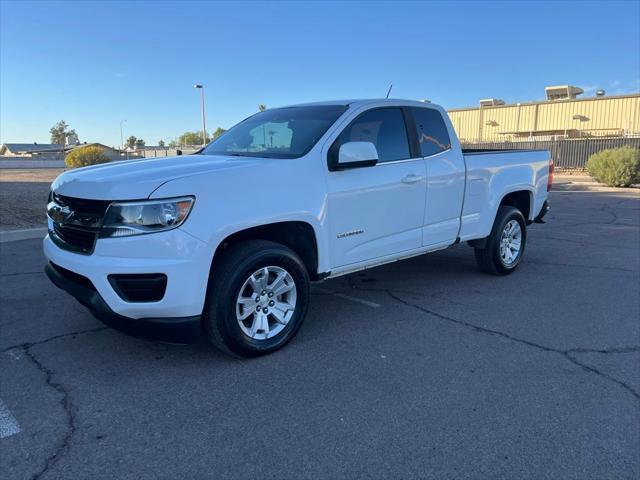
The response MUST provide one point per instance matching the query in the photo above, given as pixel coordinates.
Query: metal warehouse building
(561, 116)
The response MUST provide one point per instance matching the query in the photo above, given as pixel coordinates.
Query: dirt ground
(23, 197)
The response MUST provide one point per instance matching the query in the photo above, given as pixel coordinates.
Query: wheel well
(520, 200)
(298, 236)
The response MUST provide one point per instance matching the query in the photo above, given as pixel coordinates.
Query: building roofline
(542, 102)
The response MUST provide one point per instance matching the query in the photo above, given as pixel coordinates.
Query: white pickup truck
(226, 241)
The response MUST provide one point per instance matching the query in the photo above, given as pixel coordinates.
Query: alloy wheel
(266, 302)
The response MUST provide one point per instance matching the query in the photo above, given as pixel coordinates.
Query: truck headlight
(124, 219)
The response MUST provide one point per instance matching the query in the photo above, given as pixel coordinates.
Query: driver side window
(384, 127)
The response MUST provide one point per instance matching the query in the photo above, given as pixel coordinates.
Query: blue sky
(94, 64)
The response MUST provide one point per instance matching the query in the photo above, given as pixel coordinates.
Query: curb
(592, 187)
(26, 234)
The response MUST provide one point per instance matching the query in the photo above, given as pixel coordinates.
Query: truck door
(445, 177)
(377, 211)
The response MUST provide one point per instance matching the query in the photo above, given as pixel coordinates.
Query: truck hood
(137, 179)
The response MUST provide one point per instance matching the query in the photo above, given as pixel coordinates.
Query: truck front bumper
(174, 330)
(181, 258)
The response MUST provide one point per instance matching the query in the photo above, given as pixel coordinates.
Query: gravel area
(23, 196)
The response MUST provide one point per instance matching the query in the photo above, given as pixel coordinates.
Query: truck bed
(491, 174)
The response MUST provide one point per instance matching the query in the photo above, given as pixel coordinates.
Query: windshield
(279, 133)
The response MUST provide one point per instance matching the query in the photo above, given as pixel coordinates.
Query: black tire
(488, 258)
(235, 266)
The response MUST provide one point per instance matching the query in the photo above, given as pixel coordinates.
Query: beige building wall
(587, 117)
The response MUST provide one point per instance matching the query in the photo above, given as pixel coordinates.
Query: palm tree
(262, 107)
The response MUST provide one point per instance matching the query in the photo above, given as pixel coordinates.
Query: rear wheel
(257, 299)
(505, 246)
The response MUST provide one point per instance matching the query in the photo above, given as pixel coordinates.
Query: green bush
(85, 156)
(619, 167)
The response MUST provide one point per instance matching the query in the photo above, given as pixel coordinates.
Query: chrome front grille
(75, 222)
(74, 239)
(82, 205)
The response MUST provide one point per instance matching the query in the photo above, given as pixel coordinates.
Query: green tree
(218, 131)
(131, 141)
(262, 107)
(60, 131)
(85, 156)
(161, 143)
(140, 143)
(191, 138)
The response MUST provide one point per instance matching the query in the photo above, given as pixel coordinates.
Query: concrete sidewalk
(22, 234)
(565, 181)
(580, 177)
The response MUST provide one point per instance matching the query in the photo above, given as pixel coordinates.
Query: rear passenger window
(432, 131)
(384, 127)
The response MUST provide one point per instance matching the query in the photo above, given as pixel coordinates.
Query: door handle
(411, 178)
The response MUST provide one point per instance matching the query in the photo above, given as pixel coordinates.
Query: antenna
(389, 91)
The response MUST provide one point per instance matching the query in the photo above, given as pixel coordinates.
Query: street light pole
(204, 123)
(122, 138)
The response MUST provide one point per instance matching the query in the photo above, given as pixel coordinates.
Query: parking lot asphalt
(424, 368)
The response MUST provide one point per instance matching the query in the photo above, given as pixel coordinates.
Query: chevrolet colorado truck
(226, 241)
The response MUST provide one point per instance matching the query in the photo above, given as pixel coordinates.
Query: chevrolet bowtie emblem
(60, 214)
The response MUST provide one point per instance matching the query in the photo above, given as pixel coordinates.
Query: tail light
(550, 181)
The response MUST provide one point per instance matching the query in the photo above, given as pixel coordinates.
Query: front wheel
(257, 299)
(505, 246)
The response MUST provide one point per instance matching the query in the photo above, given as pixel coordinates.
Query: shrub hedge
(85, 156)
(619, 167)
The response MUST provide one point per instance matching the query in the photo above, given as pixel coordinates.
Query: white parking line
(619, 227)
(572, 233)
(347, 297)
(8, 424)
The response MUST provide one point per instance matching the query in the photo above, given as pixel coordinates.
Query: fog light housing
(139, 287)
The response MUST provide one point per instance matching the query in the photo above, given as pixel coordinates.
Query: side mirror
(356, 155)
